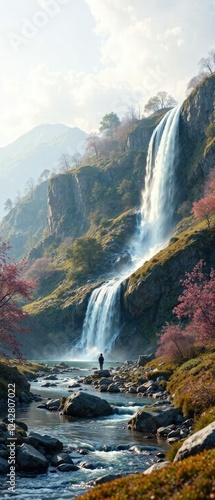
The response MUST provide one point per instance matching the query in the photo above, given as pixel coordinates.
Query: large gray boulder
(150, 421)
(29, 459)
(51, 445)
(143, 421)
(85, 405)
(200, 441)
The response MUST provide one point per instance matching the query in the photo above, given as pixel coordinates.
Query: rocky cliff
(77, 197)
(198, 111)
(196, 140)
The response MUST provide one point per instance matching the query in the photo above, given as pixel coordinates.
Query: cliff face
(67, 206)
(75, 197)
(25, 223)
(196, 146)
(198, 111)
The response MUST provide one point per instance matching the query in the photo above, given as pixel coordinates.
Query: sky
(73, 61)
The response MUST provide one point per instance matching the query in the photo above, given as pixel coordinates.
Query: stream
(100, 439)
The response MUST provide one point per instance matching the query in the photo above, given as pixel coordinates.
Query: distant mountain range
(30, 154)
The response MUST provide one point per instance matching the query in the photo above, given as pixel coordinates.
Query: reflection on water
(99, 436)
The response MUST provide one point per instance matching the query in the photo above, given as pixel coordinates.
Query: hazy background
(72, 61)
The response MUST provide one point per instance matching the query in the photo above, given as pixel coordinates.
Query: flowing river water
(100, 437)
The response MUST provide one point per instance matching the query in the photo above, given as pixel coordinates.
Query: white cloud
(173, 32)
(98, 56)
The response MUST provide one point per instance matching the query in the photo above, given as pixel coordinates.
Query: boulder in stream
(51, 445)
(30, 460)
(85, 405)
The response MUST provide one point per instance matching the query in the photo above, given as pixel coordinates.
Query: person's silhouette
(101, 361)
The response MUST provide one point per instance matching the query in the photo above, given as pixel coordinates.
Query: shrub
(171, 453)
(203, 397)
(205, 419)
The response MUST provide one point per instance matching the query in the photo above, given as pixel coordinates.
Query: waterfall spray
(102, 321)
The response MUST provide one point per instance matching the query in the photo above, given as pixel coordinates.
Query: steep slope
(150, 294)
(197, 140)
(23, 226)
(35, 151)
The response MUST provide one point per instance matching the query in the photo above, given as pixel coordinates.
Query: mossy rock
(11, 375)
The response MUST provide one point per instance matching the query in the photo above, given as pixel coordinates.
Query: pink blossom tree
(196, 308)
(176, 344)
(197, 303)
(204, 209)
(13, 320)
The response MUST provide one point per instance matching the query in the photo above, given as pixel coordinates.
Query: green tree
(128, 193)
(160, 101)
(109, 124)
(86, 254)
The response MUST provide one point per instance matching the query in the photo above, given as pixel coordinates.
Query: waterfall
(102, 321)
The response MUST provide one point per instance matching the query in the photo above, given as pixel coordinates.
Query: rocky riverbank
(38, 453)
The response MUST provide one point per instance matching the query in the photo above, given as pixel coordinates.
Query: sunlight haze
(72, 61)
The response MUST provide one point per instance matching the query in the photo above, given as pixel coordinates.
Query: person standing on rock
(101, 361)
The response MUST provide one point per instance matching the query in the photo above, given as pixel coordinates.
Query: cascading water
(102, 322)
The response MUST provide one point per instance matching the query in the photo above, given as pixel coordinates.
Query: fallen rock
(61, 458)
(52, 403)
(106, 479)
(113, 388)
(150, 421)
(103, 388)
(143, 422)
(102, 373)
(104, 381)
(197, 442)
(85, 405)
(29, 459)
(50, 444)
(157, 466)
